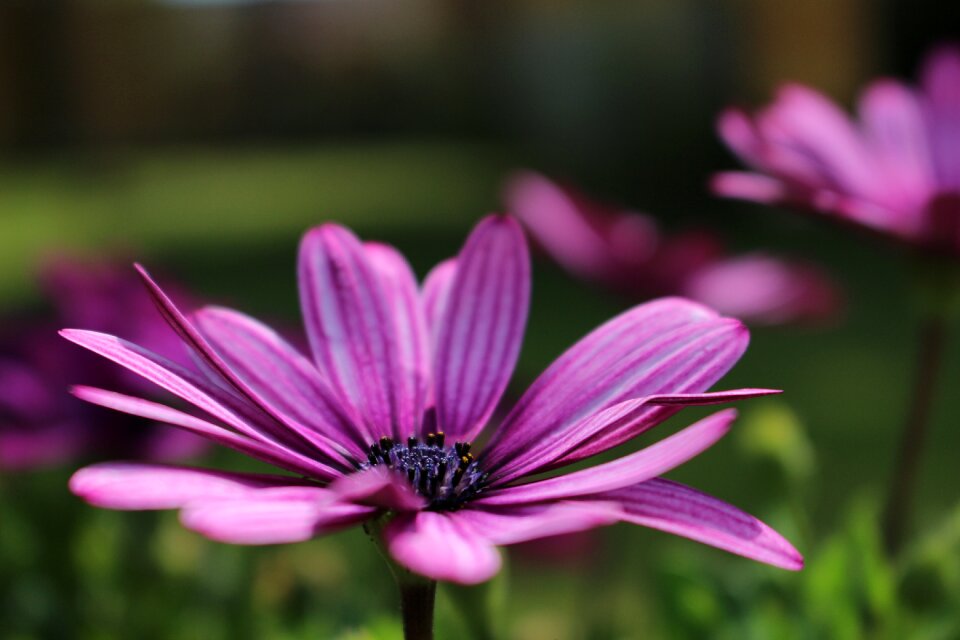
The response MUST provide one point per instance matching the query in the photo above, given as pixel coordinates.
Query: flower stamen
(446, 476)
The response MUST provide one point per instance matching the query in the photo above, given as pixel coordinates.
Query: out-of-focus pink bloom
(377, 426)
(625, 251)
(896, 170)
(40, 423)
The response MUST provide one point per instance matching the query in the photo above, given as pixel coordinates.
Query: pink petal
(482, 327)
(897, 131)
(515, 524)
(378, 487)
(216, 401)
(669, 346)
(271, 516)
(558, 225)
(441, 546)
(221, 403)
(289, 460)
(749, 186)
(941, 82)
(765, 290)
(354, 339)
(624, 420)
(406, 312)
(281, 425)
(630, 469)
(276, 372)
(806, 122)
(683, 511)
(737, 130)
(436, 294)
(139, 486)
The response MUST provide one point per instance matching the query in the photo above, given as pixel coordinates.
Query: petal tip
(504, 221)
(87, 483)
(78, 482)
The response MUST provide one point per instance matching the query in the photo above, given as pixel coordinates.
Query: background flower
(627, 252)
(894, 170)
(40, 424)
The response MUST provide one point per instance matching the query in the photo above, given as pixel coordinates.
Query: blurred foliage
(199, 200)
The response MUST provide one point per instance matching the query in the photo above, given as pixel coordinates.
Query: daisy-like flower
(625, 251)
(39, 425)
(378, 427)
(895, 171)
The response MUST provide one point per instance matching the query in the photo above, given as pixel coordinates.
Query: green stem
(938, 288)
(913, 434)
(416, 606)
(417, 594)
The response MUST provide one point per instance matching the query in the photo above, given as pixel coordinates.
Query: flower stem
(417, 594)
(913, 435)
(416, 604)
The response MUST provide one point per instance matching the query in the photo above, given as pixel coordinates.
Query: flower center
(446, 476)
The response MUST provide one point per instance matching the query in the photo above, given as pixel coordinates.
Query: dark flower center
(446, 476)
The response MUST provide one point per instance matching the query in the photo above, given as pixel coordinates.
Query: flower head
(895, 171)
(39, 425)
(380, 423)
(626, 252)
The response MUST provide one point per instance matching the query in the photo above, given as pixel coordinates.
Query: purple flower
(377, 428)
(626, 252)
(896, 171)
(39, 424)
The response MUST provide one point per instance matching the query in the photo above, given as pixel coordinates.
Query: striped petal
(625, 420)
(277, 372)
(481, 329)
(683, 511)
(208, 357)
(221, 403)
(413, 344)
(285, 459)
(353, 338)
(669, 346)
(436, 293)
(630, 469)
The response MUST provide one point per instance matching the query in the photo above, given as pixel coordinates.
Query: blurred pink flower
(377, 427)
(625, 251)
(895, 171)
(40, 423)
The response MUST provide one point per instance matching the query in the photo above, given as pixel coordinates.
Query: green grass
(205, 200)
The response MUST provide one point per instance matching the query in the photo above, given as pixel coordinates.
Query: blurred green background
(204, 137)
